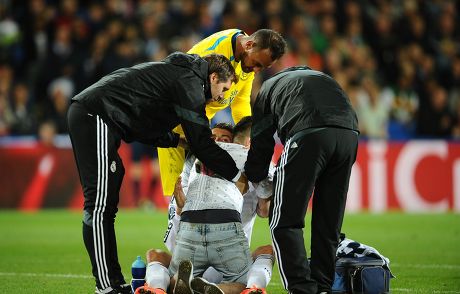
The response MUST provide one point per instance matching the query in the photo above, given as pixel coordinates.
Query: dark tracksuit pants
(101, 172)
(318, 160)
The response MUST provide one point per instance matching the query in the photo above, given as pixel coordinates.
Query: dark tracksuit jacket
(142, 103)
(316, 123)
(145, 102)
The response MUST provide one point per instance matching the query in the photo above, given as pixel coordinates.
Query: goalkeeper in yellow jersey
(248, 55)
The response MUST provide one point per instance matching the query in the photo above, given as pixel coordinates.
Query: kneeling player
(209, 208)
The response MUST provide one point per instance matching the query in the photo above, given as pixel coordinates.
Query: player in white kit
(211, 202)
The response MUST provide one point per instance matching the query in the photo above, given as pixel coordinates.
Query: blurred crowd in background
(398, 61)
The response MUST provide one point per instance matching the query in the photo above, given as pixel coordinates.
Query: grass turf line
(43, 252)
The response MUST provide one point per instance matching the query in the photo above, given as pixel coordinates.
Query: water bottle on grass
(138, 271)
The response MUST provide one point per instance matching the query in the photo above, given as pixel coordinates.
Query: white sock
(260, 272)
(157, 275)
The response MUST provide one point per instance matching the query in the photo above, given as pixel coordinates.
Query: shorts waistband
(211, 216)
(308, 131)
(304, 132)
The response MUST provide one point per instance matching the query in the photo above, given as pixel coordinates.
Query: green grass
(44, 253)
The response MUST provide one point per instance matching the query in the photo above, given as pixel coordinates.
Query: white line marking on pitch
(74, 276)
(429, 266)
(421, 291)
(401, 290)
(64, 276)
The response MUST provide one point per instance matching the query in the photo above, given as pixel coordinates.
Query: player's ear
(249, 44)
(213, 77)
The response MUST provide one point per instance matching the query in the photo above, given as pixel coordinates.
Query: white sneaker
(201, 286)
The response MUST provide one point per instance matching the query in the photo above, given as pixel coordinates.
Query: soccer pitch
(43, 252)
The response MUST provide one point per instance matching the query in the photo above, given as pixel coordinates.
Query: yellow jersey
(171, 160)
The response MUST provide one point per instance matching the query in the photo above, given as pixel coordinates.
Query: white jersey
(249, 211)
(207, 192)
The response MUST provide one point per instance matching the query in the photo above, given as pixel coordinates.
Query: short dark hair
(223, 126)
(270, 39)
(220, 64)
(243, 127)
